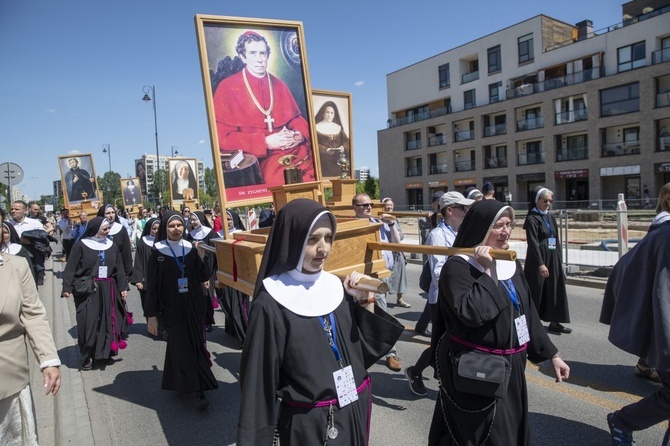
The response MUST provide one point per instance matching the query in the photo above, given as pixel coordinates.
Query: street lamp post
(175, 150)
(146, 89)
(106, 148)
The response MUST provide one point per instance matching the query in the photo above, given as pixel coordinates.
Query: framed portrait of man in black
(333, 124)
(258, 98)
(78, 177)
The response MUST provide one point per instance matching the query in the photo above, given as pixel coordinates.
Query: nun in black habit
(95, 277)
(478, 299)
(544, 262)
(305, 330)
(142, 254)
(201, 233)
(175, 294)
(119, 236)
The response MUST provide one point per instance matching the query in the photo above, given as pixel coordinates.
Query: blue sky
(73, 70)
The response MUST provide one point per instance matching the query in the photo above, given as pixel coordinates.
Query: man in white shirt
(138, 225)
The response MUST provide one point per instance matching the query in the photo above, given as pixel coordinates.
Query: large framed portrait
(79, 179)
(183, 180)
(131, 191)
(257, 93)
(333, 124)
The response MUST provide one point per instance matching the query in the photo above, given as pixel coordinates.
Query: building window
(495, 92)
(620, 100)
(631, 56)
(526, 49)
(495, 63)
(444, 75)
(469, 99)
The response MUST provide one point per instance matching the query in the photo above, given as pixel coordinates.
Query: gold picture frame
(183, 178)
(259, 124)
(131, 192)
(78, 178)
(333, 136)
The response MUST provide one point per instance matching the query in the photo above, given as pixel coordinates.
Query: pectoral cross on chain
(269, 120)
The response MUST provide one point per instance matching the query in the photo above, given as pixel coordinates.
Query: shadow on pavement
(551, 430)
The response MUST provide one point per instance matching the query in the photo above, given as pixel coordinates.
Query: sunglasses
(364, 205)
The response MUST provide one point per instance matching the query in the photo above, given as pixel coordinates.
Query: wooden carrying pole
(497, 254)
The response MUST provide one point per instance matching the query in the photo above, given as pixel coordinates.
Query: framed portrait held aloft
(78, 178)
(257, 92)
(333, 123)
(131, 191)
(183, 180)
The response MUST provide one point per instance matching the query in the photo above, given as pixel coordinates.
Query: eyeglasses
(364, 205)
(461, 207)
(499, 227)
(548, 201)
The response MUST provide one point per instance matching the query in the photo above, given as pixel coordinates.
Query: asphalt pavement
(122, 404)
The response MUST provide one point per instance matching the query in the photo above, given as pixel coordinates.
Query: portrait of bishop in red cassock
(256, 113)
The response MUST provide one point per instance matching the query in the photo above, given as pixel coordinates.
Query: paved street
(122, 404)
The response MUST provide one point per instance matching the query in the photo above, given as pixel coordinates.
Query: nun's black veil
(93, 227)
(532, 198)
(147, 226)
(478, 221)
(287, 237)
(203, 220)
(103, 209)
(165, 219)
(237, 220)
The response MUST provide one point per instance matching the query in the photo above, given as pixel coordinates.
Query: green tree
(110, 186)
(210, 182)
(371, 187)
(161, 182)
(205, 199)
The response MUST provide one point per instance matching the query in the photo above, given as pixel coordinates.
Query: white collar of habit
(12, 248)
(98, 244)
(148, 240)
(115, 228)
(200, 233)
(164, 247)
(504, 269)
(306, 294)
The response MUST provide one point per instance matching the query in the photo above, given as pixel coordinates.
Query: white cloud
(202, 141)
(50, 110)
(359, 83)
(74, 151)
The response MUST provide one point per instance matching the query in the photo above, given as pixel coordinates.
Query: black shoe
(209, 328)
(427, 333)
(619, 436)
(40, 281)
(201, 401)
(558, 328)
(88, 364)
(415, 383)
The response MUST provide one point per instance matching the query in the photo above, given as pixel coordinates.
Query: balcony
(660, 56)
(530, 124)
(493, 130)
(437, 140)
(525, 159)
(469, 77)
(573, 153)
(464, 166)
(414, 171)
(495, 162)
(413, 145)
(663, 99)
(621, 148)
(556, 82)
(464, 135)
(418, 117)
(438, 168)
(571, 116)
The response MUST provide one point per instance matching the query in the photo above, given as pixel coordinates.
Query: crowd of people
(308, 338)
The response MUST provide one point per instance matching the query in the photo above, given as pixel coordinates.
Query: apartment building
(585, 113)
